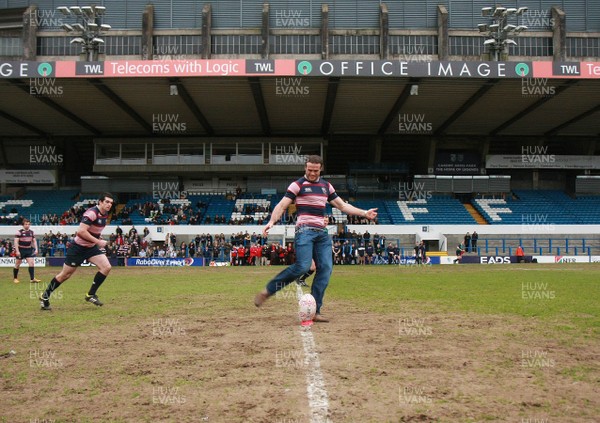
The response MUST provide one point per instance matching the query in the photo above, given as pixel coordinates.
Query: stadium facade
(215, 95)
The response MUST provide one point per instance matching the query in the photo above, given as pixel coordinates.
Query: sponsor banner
(587, 70)
(291, 67)
(410, 260)
(457, 163)
(41, 176)
(571, 259)
(59, 261)
(493, 259)
(27, 69)
(165, 262)
(541, 161)
(444, 69)
(10, 262)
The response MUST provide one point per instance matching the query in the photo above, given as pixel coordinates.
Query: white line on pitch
(318, 399)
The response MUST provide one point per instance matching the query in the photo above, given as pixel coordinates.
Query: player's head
(26, 223)
(105, 201)
(313, 167)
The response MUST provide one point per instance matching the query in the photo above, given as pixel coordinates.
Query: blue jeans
(311, 243)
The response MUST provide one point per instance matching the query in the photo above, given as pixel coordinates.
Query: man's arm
(350, 209)
(16, 244)
(277, 213)
(83, 233)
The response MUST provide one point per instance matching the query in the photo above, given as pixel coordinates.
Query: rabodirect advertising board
(10, 262)
(165, 262)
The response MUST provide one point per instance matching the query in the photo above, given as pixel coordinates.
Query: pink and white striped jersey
(96, 222)
(311, 199)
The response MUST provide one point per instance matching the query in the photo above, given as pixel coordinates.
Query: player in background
(311, 194)
(25, 249)
(87, 245)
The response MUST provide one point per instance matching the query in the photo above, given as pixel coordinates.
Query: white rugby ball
(307, 307)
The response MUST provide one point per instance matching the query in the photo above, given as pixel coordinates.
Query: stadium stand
(536, 208)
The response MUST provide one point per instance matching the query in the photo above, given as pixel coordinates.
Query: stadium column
(206, 31)
(384, 32)
(443, 37)
(325, 31)
(559, 34)
(30, 26)
(431, 159)
(148, 32)
(265, 32)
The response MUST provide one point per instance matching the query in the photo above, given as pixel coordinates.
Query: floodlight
(522, 10)
(77, 27)
(88, 10)
(93, 26)
(520, 28)
(512, 42)
(486, 11)
(64, 10)
(101, 9)
(105, 27)
(494, 27)
(97, 40)
(491, 41)
(511, 11)
(76, 10)
(499, 11)
(78, 40)
(67, 27)
(509, 28)
(482, 27)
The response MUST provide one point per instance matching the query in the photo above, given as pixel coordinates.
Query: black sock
(51, 287)
(31, 272)
(15, 272)
(98, 279)
(306, 275)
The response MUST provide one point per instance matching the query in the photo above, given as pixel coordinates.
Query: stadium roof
(291, 104)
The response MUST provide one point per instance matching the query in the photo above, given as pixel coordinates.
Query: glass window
(191, 153)
(133, 154)
(223, 154)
